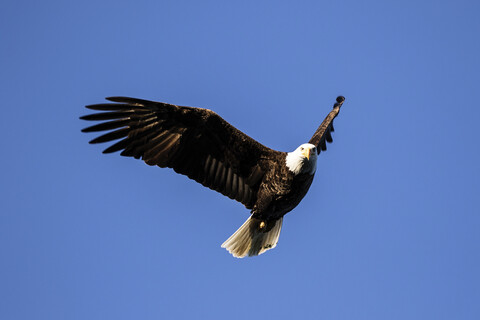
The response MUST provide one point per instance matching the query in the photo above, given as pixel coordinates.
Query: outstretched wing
(195, 142)
(324, 131)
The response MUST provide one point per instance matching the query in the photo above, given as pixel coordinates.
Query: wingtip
(116, 98)
(340, 100)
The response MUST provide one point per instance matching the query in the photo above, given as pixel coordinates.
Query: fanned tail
(254, 237)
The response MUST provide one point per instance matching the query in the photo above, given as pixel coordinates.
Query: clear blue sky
(389, 229)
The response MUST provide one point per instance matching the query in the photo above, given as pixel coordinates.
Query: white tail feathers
(252, 238)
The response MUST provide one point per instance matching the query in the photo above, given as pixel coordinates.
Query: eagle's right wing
(193, 141)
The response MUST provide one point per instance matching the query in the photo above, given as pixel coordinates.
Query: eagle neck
(298, 164)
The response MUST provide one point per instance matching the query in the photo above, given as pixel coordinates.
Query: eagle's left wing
(323, 133)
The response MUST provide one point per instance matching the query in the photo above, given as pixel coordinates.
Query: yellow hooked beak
(306, 153)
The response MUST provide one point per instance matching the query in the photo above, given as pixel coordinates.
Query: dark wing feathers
(324, 131)
(107, 125)
(195, 142)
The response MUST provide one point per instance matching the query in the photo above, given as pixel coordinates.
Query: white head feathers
(303, 159)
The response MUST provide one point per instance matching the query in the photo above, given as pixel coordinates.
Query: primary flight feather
(200, 144)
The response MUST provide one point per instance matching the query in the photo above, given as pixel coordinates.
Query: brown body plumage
(200, 144)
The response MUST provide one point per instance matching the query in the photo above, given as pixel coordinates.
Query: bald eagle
(203, 146)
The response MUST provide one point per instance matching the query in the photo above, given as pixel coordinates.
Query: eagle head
(303, 159)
